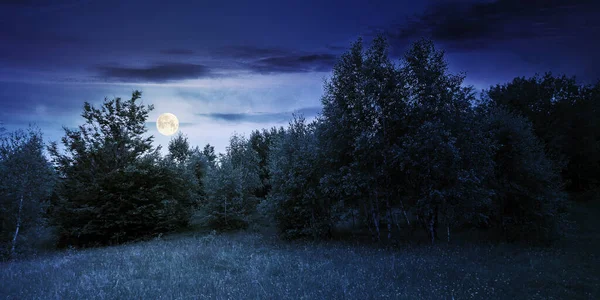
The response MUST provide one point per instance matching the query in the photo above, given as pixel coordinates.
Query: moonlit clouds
(231, 67)
(259, 101)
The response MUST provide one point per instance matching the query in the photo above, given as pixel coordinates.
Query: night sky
(235, 66)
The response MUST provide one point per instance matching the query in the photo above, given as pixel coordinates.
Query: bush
(529, 202)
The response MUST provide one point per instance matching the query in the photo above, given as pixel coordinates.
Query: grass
(257, 266)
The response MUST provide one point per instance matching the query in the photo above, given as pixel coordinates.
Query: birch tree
(300, 208)
(231, 184)
(26, 182)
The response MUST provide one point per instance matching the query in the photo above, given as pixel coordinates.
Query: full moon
(167, 124)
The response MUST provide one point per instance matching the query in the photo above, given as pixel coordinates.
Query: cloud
(230, 61)
(262, 117)
(294, 64)
(157, 73)
(337, 48)
(472, 25)
(264, 60)
(249, 52)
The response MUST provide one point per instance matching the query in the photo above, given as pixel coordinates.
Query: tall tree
(231, 184)
(300, 208)
(114, 185)
(346, 120)
(190, 165)
(209, 152)
(445, 146)
(179, 148)
(528, 200)
(564, 114)
(26, 182)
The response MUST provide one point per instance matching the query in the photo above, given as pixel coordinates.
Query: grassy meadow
(254, 265)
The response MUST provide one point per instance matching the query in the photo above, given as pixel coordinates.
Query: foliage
(231, 184)
(393, 140)
(529, 203)
(403, 137)
(300, 208)
(179, 148)
(114, 186)
(26, 182)
(209, 152)
(564, 115)
(262, 143)
(444, 155)
(190, 164)
(362, 113)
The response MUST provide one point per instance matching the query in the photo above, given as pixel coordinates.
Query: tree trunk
(367, 218)
(375, 219)
(376, 222)
(14, 240)
(389, 215)
(395, 218)
(432, 228)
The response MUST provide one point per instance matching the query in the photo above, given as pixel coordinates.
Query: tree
(262, 143)
(443, 154)
(528, 201)
(300, 208)
(402, 138)
(564, 115)
(114, 186)
(231, 184)
(209, 153)
(190, 164)
(26, 182)
(347, 133)
(179, 148)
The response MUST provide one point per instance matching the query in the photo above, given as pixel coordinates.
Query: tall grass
(251, 266)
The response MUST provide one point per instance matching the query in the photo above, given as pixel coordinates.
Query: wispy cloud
(248, 52)
(294, 63)
(264, 60)
(157, 73)
(262, 117)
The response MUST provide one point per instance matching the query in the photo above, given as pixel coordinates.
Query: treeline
(398, 146)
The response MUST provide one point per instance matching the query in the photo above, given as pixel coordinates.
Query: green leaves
(114, 185)
(564, 114)
(409, 137)
(300, 208)
(26, 182)
(230, 186)
(528, 197)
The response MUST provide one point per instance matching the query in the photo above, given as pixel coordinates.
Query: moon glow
(167, 124)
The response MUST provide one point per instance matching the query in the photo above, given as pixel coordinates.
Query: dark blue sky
(225, 66)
